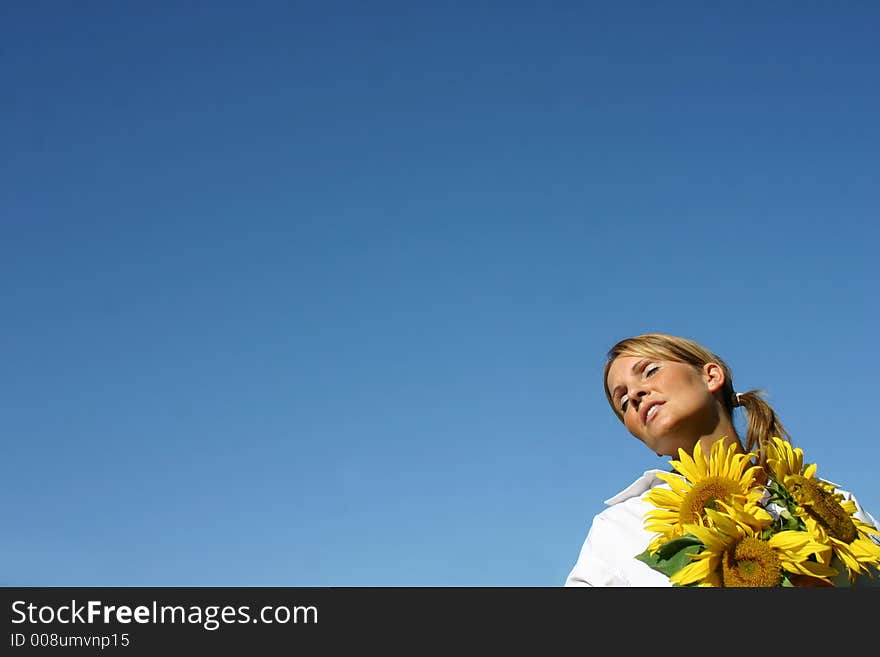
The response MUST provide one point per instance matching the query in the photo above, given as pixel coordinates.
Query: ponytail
(763, 423)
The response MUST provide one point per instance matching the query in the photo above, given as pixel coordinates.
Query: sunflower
(725, 476)
(736, 555)
(826, 516)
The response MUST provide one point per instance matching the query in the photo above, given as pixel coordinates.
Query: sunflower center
(703, 495)
(751, 563)
(823, 508)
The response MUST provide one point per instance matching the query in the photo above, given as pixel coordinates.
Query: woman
(673, 394)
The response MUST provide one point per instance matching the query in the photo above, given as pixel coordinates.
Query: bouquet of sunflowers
(723, 522)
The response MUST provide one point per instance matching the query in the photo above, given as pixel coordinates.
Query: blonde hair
(762, 419)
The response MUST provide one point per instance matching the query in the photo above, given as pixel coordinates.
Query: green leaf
(672, 556)
(674, 546)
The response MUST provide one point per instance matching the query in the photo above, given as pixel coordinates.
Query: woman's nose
(637, 394)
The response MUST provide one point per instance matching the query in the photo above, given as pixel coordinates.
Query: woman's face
(666, 404)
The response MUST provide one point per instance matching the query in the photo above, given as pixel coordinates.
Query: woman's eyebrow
(632, 370)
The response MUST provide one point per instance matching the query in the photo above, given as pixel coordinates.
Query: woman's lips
(652, 411)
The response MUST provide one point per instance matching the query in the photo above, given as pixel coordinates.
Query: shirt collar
(647, 481)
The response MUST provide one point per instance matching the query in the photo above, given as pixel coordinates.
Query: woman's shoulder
(616, 535)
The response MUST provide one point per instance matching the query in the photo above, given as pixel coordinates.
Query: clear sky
(319, 294)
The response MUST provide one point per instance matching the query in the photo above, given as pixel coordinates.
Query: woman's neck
(724, 431)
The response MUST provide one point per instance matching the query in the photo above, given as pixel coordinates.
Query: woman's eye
(651, 370)
(624, 402)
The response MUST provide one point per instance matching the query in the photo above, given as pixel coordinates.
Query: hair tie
(737, 399)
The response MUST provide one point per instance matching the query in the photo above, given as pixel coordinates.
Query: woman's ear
(713, 374)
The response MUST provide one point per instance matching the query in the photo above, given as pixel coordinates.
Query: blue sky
(319, 294)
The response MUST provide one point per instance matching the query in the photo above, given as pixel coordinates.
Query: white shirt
(617, 535)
